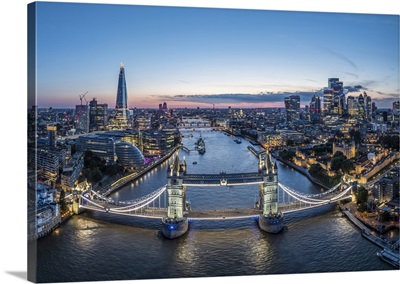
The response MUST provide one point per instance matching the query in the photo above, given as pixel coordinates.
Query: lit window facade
(101, 146)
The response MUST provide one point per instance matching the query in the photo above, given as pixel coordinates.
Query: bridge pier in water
(175, 224)
(271, 219)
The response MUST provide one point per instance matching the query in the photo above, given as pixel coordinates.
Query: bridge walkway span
(226, 179)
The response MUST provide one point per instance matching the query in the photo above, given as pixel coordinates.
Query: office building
(315, 104)
(82, 118)
(352, 106)
(143, 122)
(101, 146)
(98, 115)
(292, 106)
(159, 142)
(328, 101)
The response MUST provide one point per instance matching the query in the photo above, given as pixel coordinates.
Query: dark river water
(101, 246)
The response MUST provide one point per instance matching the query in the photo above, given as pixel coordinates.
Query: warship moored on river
(200, 145)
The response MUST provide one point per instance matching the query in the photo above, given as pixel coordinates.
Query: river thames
(100, 246)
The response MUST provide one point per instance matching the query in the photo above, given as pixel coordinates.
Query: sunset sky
(193, 57)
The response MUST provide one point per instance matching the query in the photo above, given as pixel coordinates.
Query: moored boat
(201, 146)
(390, 257)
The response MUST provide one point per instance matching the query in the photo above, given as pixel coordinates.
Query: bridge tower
(271, 219)
(76, 201)
(175, 224)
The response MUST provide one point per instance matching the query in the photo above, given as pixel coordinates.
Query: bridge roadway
(224, 214)
(150, 213)
(218, 214)
(222, 179)
(160, 213)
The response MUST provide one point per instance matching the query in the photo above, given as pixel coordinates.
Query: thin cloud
(305, 97)
(367, 83)
(340, 56)
(184, 82)
(351, 74)
(314, 81)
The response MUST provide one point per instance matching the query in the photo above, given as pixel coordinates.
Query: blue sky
(198, 56)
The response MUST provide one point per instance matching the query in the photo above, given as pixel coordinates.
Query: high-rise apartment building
(121, 106)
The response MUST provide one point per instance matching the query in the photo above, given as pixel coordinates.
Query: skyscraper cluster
(163, 107)
(361, 106)
(335, 102)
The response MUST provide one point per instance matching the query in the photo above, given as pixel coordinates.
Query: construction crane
(83, 97)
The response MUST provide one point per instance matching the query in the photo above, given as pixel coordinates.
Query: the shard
(121, 106)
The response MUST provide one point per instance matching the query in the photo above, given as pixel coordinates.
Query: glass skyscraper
(292, 106)
(121, 106)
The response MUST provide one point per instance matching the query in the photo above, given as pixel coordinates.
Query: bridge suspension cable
(92, 202)
(309, 200)
(142, 202)
(99, 195)
(132, 205)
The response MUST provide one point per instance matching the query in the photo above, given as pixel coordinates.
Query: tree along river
(101, 246)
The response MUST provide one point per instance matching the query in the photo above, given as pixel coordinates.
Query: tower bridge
(168, 203)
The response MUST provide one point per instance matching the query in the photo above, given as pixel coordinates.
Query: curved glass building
(129, 156)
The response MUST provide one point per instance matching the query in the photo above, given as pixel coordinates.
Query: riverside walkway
(366, 232)
(356, 222)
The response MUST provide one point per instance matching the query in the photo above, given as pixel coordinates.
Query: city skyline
(197, 57)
